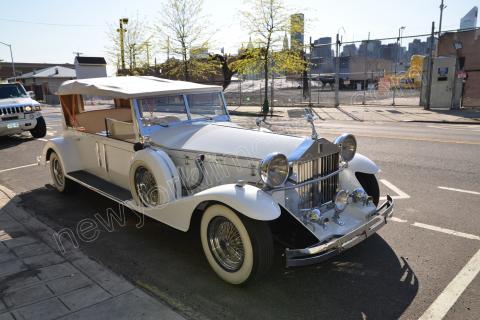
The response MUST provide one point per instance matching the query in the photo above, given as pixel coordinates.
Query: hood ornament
(259, 121)
(311, 117)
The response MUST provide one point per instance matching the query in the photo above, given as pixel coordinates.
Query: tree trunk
(265, 106)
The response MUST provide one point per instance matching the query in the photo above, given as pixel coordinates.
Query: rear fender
(65, 150)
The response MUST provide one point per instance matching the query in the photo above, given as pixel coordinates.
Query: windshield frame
(147, 130)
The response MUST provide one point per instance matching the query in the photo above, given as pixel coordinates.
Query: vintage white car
(168, 149)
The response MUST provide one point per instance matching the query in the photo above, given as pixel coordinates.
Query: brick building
(466, 46)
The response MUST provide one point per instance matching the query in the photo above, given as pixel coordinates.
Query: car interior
(109, 119)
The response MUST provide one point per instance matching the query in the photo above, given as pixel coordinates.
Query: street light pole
(11, 57)
(442, 6)
(122, 31)
(396, 62)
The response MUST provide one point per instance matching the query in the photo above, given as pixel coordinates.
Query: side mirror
(137, 146)
(31, 94)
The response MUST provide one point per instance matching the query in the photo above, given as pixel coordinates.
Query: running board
(101, 186)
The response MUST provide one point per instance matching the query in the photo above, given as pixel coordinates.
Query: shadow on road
(368, 281)
(12, 141)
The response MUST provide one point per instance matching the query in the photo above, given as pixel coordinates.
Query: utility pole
(310, 75)
(442, 6)
(365, 72)
(147, 45)
(122, 31)
(396, 62)
(11, 57)
(168, 48)
(337, 71)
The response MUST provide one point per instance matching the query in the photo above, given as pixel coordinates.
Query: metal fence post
(337, 71)
(430, 67)
(365, 82)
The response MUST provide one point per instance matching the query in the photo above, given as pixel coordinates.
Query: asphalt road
(408, 268)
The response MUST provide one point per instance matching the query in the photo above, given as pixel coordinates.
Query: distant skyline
(50, 31)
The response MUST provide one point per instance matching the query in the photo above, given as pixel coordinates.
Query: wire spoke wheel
(57, 172)
(226, 243)
(146, 187)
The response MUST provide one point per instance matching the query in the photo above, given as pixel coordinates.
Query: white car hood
(18, 102)
(225, 138)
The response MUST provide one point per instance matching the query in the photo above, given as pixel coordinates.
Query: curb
(442, 121)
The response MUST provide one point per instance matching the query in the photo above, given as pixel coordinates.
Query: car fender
(65, 150)
(164, 171)
(359, 163)
(247, 200)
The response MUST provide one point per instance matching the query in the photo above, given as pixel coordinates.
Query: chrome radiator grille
(316, 194)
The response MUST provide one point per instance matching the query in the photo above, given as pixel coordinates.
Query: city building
(349, 50)
(418, 47)
(297, 31)
(465, 46)
(90, 67)
(322, 48)
(370, 48)
(469, 21)
(21, 68)
(45, 82)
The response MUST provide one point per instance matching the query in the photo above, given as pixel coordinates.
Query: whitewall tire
(57, 171)
(237, 248)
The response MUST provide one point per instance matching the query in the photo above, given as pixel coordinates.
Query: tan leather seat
(94, 121)
(120, 130)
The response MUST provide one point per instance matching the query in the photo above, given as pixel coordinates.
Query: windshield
(166, 110)
(206, 105)
(13, 90)
(162, 110)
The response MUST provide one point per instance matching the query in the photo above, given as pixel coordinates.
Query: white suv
(19, 112)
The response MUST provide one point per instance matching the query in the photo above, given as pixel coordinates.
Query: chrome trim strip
(310, 181)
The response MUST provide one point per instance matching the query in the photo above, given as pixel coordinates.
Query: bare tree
(267, 21)
(182, 26)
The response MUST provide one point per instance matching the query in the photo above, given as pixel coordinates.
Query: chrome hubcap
(58, 173)
(146, 187)
(225, 244)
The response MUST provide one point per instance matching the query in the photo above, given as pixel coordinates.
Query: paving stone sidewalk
(37, 282)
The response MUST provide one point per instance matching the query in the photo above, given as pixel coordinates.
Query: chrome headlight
(341, 200)
(274, 169)
(348, 146)
(28, 108)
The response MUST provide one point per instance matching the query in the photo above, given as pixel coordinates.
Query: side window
(162, 110)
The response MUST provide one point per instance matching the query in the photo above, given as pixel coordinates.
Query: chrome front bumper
(321, 252)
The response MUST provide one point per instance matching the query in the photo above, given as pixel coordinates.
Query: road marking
(398, 220)
(440, 307)
(446, 231)
(459, 190)
(41, 139)
(400, 193)
(20, 167)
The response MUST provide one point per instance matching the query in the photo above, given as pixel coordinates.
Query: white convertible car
(168, 149)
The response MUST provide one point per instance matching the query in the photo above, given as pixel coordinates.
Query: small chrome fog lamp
(28, 108)
(341, 200)
(348, 146)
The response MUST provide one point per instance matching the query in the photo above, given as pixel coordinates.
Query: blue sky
(82, 25)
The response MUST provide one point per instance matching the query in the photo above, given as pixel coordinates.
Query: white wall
(90, 71)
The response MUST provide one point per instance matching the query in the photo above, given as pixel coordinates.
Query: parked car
(19, 112)
(169, 150)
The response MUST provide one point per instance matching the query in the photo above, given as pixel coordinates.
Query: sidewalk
(378, 113)
(36, 282)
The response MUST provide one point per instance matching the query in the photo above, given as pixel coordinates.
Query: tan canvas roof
(130, 87)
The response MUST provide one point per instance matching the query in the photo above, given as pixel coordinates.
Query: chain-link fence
(367, 72)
